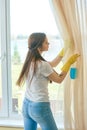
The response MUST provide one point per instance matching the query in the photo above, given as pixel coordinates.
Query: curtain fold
(71, 20)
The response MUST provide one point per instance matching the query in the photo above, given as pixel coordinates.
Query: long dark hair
(35, 41)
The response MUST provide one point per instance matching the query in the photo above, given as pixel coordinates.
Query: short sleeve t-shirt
(37, 88)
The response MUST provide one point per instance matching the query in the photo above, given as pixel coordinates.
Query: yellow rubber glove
(61, 53)
(71, 60)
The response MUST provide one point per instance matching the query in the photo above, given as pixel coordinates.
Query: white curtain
(71, 19)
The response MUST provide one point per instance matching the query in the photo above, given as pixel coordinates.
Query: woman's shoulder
(45, 68)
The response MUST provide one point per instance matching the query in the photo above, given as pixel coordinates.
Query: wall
(10, 128)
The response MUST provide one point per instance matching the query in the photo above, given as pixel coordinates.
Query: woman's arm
(58, 78)
(58, 58)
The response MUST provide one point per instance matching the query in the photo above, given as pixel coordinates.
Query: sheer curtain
(71, 19)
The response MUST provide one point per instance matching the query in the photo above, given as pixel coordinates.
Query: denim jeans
(37, 113)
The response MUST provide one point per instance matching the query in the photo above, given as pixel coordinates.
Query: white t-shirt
(37, 88)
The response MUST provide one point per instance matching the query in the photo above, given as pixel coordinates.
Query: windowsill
(15, 123)
(11, 123)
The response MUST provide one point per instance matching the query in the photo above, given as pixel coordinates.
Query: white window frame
(5, 58)
(4, 111)
(6, 61)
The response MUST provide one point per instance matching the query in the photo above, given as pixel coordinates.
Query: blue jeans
(37, 113)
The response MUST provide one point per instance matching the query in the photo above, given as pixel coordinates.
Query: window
(27, 16)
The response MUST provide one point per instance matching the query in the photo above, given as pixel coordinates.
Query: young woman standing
(37, 72)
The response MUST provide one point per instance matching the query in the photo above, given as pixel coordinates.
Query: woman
(37, 72)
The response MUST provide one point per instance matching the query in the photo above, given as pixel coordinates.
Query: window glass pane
(18, 52)
(27, 17)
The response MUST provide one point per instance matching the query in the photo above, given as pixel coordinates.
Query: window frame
(4, 111)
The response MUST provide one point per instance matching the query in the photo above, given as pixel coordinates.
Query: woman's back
(37, 83)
